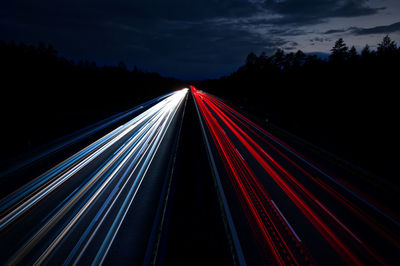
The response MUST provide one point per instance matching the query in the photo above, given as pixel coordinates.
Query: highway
(287, 209)
(186, 179)
(74, 212)
(193, 230)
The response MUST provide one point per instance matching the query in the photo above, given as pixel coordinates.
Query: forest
(346, 104)
(46, 96)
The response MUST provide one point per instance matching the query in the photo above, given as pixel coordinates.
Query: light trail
(235, 139)
(8, 201)
(340, 197)
(73, 213)
(249, 124)
(262, 215)
(59, 144)
(95, 185)
(226, 209)
(75, 163)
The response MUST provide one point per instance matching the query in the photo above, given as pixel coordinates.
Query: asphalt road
(78, 211)
(190, 181)
(194, 232)
(289, 209)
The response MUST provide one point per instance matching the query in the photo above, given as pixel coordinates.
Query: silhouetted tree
(313, 95)
(299, 58)
(278, 57)
(51, 50)
(339, 52)
(387, 47)
(36, 81)
(263, 61)
(122, 66)
(80, 64)
(42, 48)
(289, 60)
(352, 55)
(366, 51)
(251, 59)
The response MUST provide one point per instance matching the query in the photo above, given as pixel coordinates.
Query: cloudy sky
(198, 38)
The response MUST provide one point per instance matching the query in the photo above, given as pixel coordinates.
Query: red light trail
(232, 132)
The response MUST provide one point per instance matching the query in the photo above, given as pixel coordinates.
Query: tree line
(45, 95)
(40, 63)
(341, 57)
(346, 103)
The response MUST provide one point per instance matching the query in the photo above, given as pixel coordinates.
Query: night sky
(195, 39)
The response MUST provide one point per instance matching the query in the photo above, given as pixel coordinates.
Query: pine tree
(251, 59)
(352, 54)
(387, 46)
(366, 51)
(339, 52)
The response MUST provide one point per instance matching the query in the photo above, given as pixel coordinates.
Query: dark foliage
(346, 104)
(44, 96)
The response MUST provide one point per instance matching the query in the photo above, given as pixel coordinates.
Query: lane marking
(338, 221)
(232, 228)
(284, 218)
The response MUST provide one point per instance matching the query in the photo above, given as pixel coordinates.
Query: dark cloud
(128, 11)
(320, 39)
(286, 32)
(176, 37)
(386, 29)
(395, 27)
(302, 12)
(290, 46)
(355, 8)
(335, 31)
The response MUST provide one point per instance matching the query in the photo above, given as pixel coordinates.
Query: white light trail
(127, 153)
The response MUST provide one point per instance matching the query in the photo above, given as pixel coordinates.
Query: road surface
(194, 182)
(75, 212)
(296, 211)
